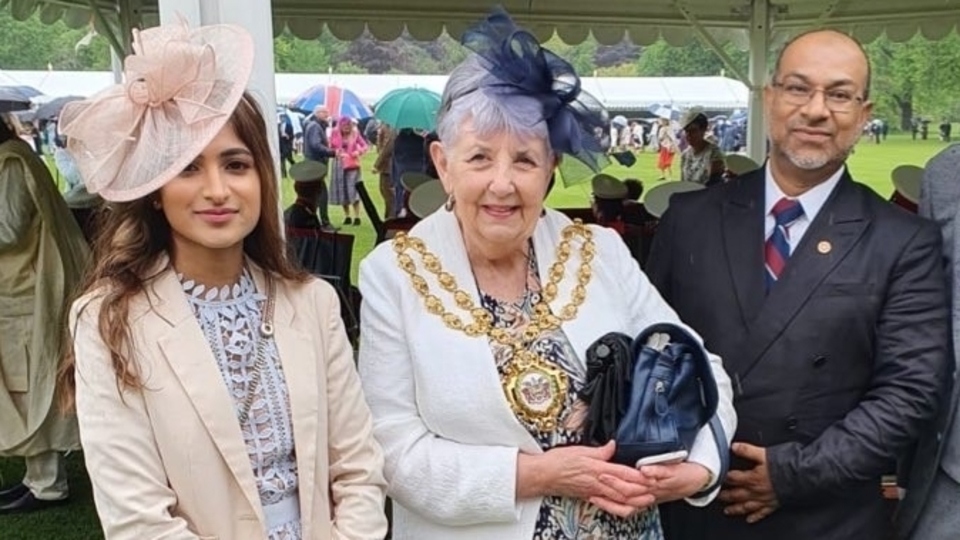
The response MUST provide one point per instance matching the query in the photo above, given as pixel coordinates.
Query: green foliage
(917, 78)
(580, 56)
(629, 69)
(294, 55)
(693, 59)
(32, 45)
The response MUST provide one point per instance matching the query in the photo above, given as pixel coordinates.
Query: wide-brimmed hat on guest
(657, 199)
(691, 115)
(907, 180)
(607, 187)
(182, 86)
(410, 180)
(740, 164)
(308, 171)
(427, 198)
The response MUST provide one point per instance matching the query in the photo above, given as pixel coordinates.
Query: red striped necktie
(777, 248)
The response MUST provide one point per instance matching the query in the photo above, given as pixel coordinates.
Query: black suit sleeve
(910, 366)
(661, 253)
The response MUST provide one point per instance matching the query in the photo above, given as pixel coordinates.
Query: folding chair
(372, 213)
(384, 229)
(328, 255)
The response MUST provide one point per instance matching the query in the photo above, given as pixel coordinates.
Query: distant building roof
(616, 93)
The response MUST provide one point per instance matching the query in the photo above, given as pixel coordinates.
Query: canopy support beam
(714, 45)
(827, 13)
(759, 49)
(108, 31)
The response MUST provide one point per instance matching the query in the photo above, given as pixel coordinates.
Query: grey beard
(812, 163)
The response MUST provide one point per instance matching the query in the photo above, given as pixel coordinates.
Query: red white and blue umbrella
(338, 101)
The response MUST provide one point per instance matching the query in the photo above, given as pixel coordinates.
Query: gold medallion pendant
(536, 389)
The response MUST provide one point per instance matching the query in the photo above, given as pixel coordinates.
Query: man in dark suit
(316, 147)
(827, 305)
(308, 178)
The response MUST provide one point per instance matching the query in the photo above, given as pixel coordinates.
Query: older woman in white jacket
(475, 327)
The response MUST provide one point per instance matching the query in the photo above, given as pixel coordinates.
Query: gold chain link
(482, 321)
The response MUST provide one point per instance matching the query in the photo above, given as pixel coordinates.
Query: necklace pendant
(535, 388)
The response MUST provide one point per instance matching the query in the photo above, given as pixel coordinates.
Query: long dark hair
(134, 236)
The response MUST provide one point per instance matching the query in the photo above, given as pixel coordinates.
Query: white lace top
(230, 320)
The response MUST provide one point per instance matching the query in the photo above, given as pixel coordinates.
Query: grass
(870, 164)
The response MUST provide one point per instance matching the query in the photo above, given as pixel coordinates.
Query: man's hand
(749, 493)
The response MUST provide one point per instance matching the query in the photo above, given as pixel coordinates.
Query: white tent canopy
(609, 21)
(616, 93)
(755, 25)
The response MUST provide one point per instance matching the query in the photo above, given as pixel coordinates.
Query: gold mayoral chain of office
(535, 387)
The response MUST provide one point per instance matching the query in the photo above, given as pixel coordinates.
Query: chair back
(371, 210)
(329, 256)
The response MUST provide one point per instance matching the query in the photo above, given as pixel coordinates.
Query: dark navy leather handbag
(652, 394)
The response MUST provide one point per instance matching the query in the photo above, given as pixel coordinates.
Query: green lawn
(870, 164)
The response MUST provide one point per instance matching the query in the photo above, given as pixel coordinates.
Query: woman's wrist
(532, 476)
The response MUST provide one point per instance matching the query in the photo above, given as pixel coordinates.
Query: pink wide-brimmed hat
(181, 86)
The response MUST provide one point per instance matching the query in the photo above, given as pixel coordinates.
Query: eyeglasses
(839, 100)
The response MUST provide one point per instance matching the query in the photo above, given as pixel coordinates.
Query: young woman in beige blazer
(215, 387)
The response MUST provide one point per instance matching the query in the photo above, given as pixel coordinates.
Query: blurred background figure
(701, 161)
(42, 259)
(348, 145)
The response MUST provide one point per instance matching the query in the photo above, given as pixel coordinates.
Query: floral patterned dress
(562, 518)
(230, 320)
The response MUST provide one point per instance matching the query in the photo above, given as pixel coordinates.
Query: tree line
(917, 78)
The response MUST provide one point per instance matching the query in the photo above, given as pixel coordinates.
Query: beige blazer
(170, 462)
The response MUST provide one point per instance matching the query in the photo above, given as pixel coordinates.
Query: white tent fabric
(755, 25)
(616, 93)
(609, 21)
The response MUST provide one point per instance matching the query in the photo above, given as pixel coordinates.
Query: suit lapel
(834, 232)
(189, 356)
(743, 239)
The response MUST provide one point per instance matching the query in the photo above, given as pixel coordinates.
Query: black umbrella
(13, 98)
(25, 116)
(52, 108)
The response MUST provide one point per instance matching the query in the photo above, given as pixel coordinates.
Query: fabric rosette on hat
(522, 67)
(180, 88)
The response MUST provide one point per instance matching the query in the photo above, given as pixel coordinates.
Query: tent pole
(759, 49)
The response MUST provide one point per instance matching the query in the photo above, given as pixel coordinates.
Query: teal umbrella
(409, 108)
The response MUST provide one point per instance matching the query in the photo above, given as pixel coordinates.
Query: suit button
(819, 361)
(792, 423)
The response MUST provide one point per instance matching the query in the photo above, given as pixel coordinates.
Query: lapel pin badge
(824, 247)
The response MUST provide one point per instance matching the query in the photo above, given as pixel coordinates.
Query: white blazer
(450, 439)
(170, 461)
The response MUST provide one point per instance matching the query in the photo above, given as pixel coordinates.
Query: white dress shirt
(811, 200)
